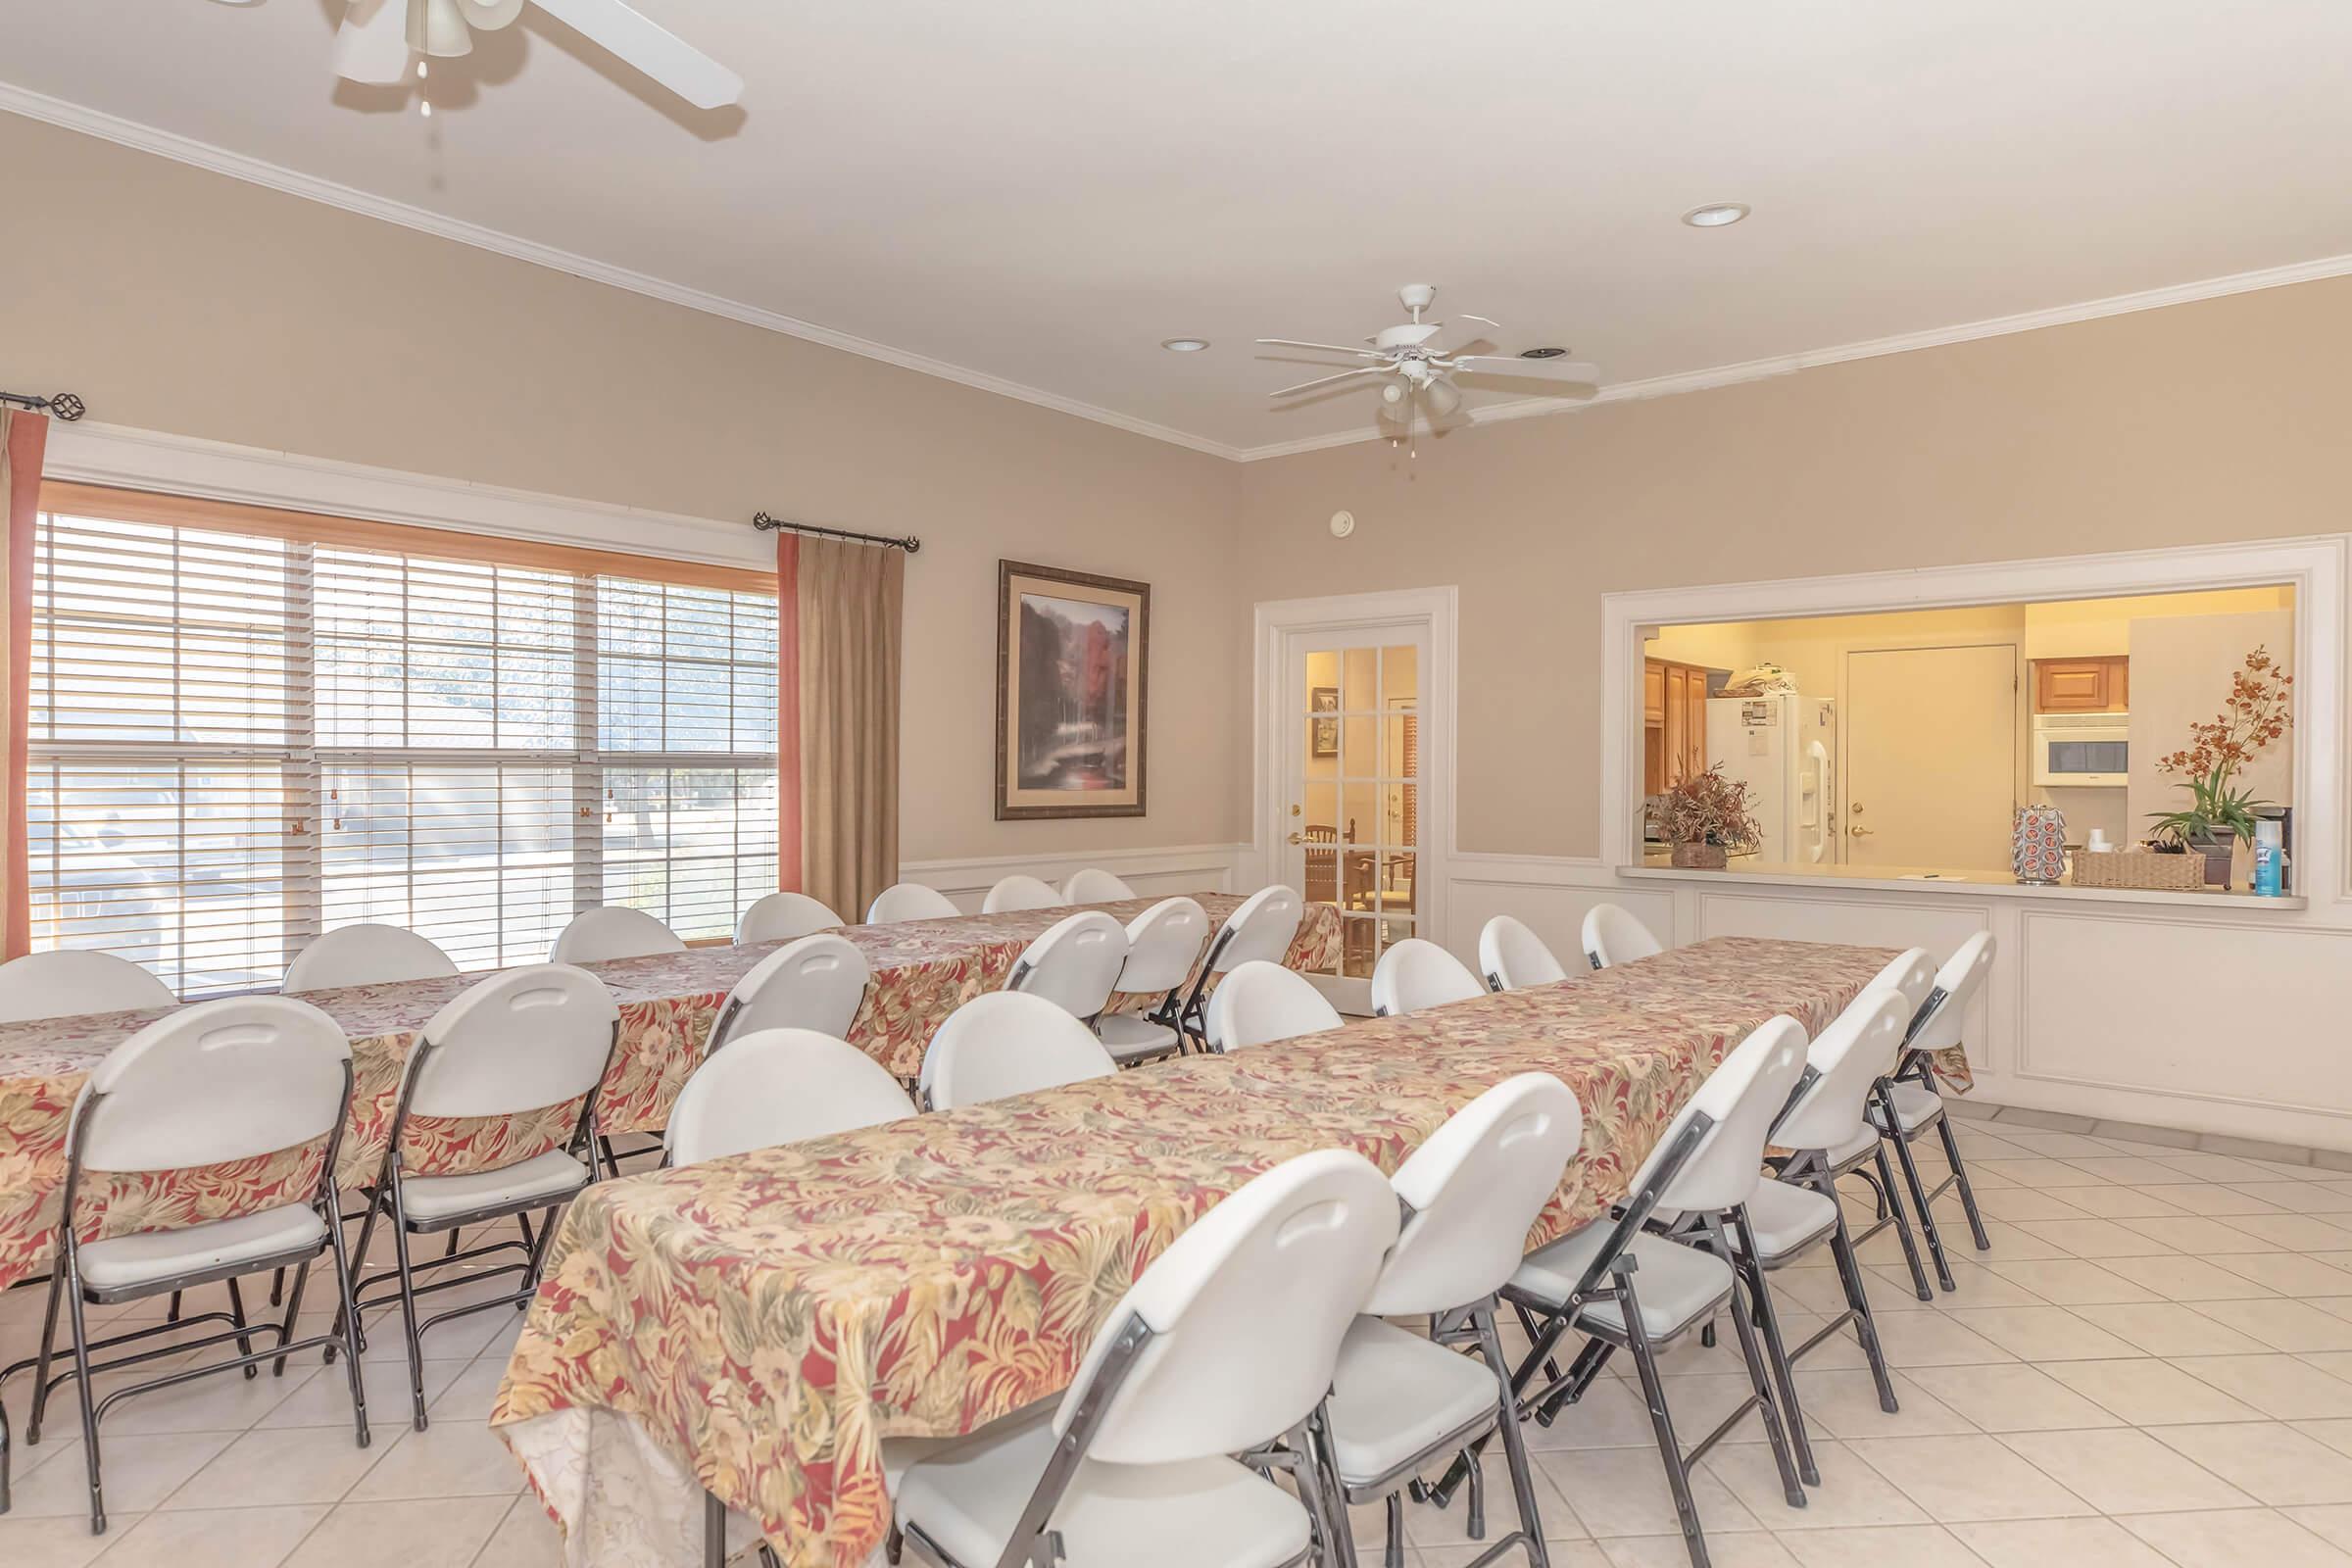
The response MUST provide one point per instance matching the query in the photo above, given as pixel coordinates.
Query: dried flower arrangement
(1706, 816)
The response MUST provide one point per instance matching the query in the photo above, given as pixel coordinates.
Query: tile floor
(2152, 1368)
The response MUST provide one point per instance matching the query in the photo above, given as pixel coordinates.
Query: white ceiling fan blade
(1513, 364)
(1321, 348)
(373, 44)
(1326, 380)
(658, 52)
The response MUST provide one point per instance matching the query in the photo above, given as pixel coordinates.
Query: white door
(1931, 748)
(1351, 829)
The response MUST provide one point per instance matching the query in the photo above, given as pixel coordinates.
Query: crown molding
(130, 134)
(1662, 386)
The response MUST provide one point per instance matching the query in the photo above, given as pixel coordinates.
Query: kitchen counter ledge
(1929, 880)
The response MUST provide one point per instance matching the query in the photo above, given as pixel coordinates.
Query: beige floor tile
(2148, 1392)
(448, 1460)
(528, 1539)
(2301, 1198)
(325, 1400)
(1850, 1493)
(2297, 1233)
(1879, 1546)
(213, 1538)
(2283, 1388)
(226, 1402)
(2236, 1537)
(1970, 1478)
(138, 1472)
(2129, 1170)
(2057, 1544)
(2295, 1274)
(2215, 1167)
(2169, 1329)
(2125, 1471)
(2068, 1282)
(1748, 1549)
(2048, 1333)
(2014, 1203)
(2013, 1398)
(2037, 1172)
(285, 1465)
(443, 1534)
(2338, 1434)
(2205, 1198)
(2100, 1238)
(1610, 1415)
(2121, 1202)
(2200, 1235)
(2331, 1523)
(2284, 1324)
(2178, 1277)
(1621, 1491)
(2340, 1305)
(1845, 1405)
(1567, 1554)
(2059, 1145)
(2335, 1364)
(60, 1542)
(1935, 1338)
(2272, 1463)
(1429, 1526)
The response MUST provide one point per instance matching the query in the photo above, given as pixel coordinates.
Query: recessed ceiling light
(1541, 354)
(1184, 345)
(1715, 215)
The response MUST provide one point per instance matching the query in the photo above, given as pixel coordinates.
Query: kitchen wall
(183, 302)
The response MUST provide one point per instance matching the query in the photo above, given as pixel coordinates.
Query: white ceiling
(1037, 193)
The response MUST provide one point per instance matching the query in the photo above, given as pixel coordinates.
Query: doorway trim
(1437, 610)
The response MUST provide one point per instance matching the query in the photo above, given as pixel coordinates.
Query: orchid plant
(2257, 714)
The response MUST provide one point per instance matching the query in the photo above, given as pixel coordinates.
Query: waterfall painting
(1070, 683)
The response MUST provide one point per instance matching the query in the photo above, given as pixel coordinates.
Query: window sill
(1974, 883)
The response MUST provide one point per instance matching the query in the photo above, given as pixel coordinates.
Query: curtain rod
(768, 524)
(65, 405)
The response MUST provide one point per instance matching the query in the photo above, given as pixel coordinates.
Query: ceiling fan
(379, 38)
(1418, 368)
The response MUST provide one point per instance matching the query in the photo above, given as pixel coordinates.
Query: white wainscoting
(2229, 1020)
(1184, 868)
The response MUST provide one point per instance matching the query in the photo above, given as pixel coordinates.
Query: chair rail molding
(1152, 872)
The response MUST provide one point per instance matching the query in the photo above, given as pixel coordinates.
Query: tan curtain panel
(841, 607)
(23, 436)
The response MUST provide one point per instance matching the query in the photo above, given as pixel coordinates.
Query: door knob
(1859, 831)
(1297, 838)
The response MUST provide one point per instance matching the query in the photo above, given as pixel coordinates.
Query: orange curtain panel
(840, 610)
(23, 436)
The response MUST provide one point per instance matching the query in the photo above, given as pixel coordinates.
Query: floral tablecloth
(757, 1326)
(922, 971)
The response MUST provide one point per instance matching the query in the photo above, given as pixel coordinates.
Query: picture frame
(1073, 664)
(1325, 741)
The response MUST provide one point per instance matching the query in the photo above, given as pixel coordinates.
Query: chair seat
(1128, 1036)
(1787, 1220)
(1855, 1150)
(439, 1199)
(121, 1262)
(968, 1497)
(1916, 1106)
(1677, 1285)
(1396, 1395)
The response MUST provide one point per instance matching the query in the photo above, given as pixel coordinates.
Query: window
(239, 739)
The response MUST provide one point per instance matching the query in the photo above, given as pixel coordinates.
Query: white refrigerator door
(1750, 737)
(1813, 782)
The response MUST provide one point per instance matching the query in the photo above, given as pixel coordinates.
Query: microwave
(2083, 750)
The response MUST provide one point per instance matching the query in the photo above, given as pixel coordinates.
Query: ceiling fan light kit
(379, 38)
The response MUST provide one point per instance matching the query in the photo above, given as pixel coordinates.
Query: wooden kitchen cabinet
(1674, 723)
(2083, 685)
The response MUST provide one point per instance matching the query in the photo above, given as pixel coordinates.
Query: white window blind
(240, 741)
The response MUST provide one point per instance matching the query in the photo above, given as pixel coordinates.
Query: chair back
(1008, 1043)
(1261, 1003)
(815, 983)
(1416, 973)
(1075, 964)
(613, 931)
(1860, 1047)
(1094, 886)
(1246, 1311)
(1260, 929)
(1020, 891)
(1743, 1098)
(69, 982)
(782, 916)
(910, 900)
(1612, 936)
(1957, 983)
(521, 1040)
(1163, 943)
(219, 1080)
(1476, 1186)
(1911, 972)
(1513, 958)
(779, 1086)
(367, 955)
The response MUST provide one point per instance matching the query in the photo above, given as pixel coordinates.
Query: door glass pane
(1358, 946)
(1397, 883)
(1360, 813)
(1393, 929)
(1359, 693)
(1401, 676)
(1400, 816)
(1322, 675)
(1360, 747)
(1401, 747)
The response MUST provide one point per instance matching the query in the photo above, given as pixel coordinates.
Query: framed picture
(1071, 662)
(1325, 699)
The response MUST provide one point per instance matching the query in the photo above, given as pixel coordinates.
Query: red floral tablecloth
(757, 1326)
(922, 971)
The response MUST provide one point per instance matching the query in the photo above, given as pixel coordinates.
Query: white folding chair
(1469, 1194)
(1020, 892)
(515, 1045)
(1008, 1043)
(365, 955)
(1707, 1164)
(613, 931)
(1612, 936)
(1074, 965)
(1907, 1105)
(818, 983)
(1163, 944)
(779, 1086)
(1513, 958)
(1263, 928)
(1094, 886)
(69, 982)
(782, 916)
(910, 900)
(1226, 1343)
(1261, 1003)
(220, 1081)
(1415, 974)
(1913, 973)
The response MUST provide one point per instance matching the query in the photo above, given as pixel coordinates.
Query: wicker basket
(2138, 868)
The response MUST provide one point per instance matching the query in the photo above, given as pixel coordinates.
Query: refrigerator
(1786, 748)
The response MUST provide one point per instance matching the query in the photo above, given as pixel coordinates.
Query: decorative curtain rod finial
(771, 525)
(65, 405)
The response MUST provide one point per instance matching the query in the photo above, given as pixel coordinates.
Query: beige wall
(181, 301)
(2090, 437)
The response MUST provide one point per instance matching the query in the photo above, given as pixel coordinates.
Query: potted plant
(1706, 817)
(2217, 816)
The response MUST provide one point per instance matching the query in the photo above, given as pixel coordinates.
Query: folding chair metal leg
(1327, 1477)
(1661, 1423)
(89, 1404)
(1790, 1487)
(286, 1330)
(1919, 1199)
(1514, 1439)
(1768, 1320)
(1866, 1327)
(40, 1376)
(236, 1315)
(1891, 1202)
(408, 1305)
(715, 1532)
(1968, 1197)
(6, 1499)
(347, 1315)
(358, 1261)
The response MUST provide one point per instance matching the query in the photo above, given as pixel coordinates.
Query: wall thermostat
(1343, 523)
